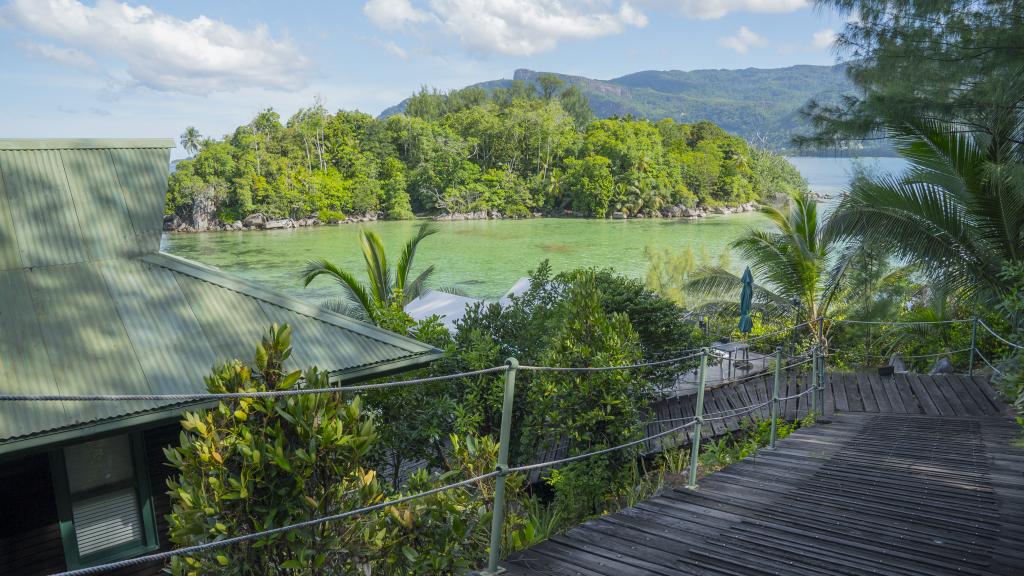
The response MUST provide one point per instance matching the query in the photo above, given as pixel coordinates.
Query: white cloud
(743, 40)
(823, 39)
(393, 49)
(165, 53)
(393, 14)
(66, 56)
(516, 27)
(712, 9)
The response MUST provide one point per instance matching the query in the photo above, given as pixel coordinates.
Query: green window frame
(139, 481)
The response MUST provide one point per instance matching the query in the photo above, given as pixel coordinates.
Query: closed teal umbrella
(746, 300)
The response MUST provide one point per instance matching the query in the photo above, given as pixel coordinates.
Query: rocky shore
(258, 221)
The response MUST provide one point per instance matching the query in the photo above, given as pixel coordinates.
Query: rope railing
(998, 337)
(720, 383)
(760, 337)
(607, 368)
(985, 360)
(502, 470)
(901, 323)
(247, 394)
(722, 414)
(904, 356)
(568, 459)
(199, 548)
(746, 411)
(795, 396)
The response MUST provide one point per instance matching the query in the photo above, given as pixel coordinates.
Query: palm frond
(377, 271)
(418, 286)
(355, 293)
(405, 261)
(347, 308)
(722, 288)
(919, 222)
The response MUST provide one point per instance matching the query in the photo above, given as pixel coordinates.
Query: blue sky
(110, 68)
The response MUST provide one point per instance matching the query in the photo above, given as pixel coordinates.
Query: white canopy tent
(452, 307)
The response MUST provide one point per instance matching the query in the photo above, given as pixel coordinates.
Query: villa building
(89, 305)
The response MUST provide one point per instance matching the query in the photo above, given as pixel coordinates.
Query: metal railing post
(699, 417)
(775, 394)
(498, 514)
(974, 346)
(812, 402)
(822, 416)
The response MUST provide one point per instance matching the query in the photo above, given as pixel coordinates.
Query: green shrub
(256, 463)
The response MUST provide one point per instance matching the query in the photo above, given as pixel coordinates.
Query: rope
(949, 353)
(780, 331)
(713, 415)
(237, 395)
(808, 391)
(994, 369)
(188, 550)
(998, 337)
(548, 464)
(888, 323)
(747, 411)
(750, 408)
(606, 368)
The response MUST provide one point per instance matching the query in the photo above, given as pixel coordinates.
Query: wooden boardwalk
(944, 395)
(915, 476)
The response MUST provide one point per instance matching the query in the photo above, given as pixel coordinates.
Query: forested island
(525, 150)
(759, 104)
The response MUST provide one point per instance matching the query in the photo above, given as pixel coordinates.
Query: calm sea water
(484, 258)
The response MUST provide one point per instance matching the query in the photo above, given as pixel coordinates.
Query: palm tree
(797, 268)
(957, 211)
(384, 288)
(191, 140)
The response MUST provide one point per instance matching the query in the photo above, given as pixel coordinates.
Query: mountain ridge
(759, 104)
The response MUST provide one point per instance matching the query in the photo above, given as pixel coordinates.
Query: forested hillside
(758, 104)
(513, 151)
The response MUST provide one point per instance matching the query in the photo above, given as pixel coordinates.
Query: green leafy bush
(256, 463)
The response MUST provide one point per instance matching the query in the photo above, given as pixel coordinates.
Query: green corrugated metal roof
(90, 306)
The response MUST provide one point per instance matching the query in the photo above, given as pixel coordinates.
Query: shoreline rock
(259, 221)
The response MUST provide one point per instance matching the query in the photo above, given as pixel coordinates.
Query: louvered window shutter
(107, 520)
(104, 500)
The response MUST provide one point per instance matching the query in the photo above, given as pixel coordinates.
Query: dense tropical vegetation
(516, 151)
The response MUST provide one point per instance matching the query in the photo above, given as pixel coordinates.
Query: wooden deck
(946, 395)
(915, 476)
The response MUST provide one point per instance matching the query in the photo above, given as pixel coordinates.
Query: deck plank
(897, 494)
(929, 394)
(910, 401)
(879, 392)
(837, 383)
(945, 385)
(962, 386)
(853, 392)
(866, 394)
(895, 399)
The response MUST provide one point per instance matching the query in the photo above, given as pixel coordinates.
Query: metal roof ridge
(83, 143)
(238, 284)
